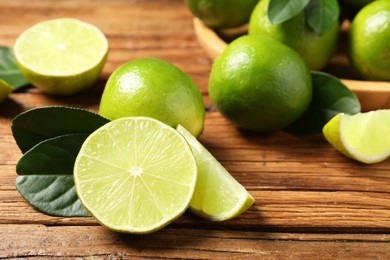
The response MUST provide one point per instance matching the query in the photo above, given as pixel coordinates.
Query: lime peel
(363, 137)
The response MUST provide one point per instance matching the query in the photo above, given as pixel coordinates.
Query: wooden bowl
(372, 95)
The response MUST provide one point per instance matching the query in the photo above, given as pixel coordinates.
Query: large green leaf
(46, 176)
(321, 15)
(51, 194)
(9, 70)
(52, 156)
(280, 11)
(330, 97)
(38, 124)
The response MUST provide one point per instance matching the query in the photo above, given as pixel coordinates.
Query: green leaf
(36, 125)
(280, 11)
(330, 97)
(321, 15)
(51, 194)
(9, 70)
(52, 156)
(46, 176)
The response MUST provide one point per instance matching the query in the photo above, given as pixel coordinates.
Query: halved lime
(364, 137)
(61, 56)
(5, 89)
(135, 175)
(218, 196)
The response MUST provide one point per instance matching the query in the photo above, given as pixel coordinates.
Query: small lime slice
(61, 56)
(218, 196)
(364, 137)
(135, 175)
(5, 90)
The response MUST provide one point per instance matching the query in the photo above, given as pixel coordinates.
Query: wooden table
(311, 202)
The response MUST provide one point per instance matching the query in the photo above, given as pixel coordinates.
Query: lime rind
(363, 137)
(135, 175)
(218, 196)
(5, 90)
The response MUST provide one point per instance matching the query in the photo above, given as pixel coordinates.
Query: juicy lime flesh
(363, 137)
(135, 175)
(154, 88)
(366, 134)
(218, 196)
(61, 47)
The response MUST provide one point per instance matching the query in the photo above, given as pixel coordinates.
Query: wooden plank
(48, 242)
(325, 192)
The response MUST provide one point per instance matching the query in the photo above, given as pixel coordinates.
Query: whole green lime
(222, 14)
(157, 89)
(260, 84)
(314, 49)
(369, 41)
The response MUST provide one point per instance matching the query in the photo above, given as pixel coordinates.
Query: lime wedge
(364, 137)
(135, 175)
(5, 89)
(218, 196)
(61, 56)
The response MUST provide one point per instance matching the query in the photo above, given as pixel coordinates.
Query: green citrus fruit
(363, 137)
(222, 14)
(157, 89)
(369, 48)
(260, 84)
(135, 175)
(314, 49)
(61, 56)
(217, 196)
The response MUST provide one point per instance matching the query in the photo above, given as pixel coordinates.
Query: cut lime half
(218, 196)
(5, 89)
(364, 137)
(135, 175)
(61, 56)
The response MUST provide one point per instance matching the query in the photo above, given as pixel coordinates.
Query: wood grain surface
(311, 202)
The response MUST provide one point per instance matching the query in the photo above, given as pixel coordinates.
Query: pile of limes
(261, 81)
(138, 173)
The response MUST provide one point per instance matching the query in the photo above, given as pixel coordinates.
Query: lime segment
(61, 56)
(218, 196)
(363, 137)
(135, 175)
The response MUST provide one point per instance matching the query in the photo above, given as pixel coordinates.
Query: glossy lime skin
(260, 84)
(157, 89)
(369, 41)
(222, 13)
(315, 50)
